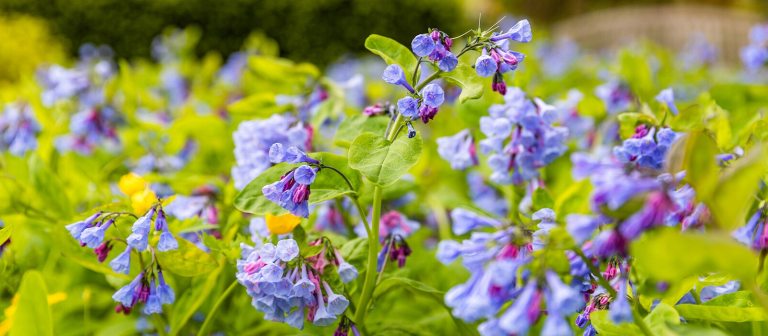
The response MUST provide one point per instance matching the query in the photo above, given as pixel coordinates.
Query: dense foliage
(471, 183)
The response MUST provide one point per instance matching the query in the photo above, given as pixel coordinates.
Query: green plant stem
(373, 250)
(592, 269)
(638, 318)
(212, 313)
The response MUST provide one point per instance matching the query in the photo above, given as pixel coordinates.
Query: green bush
(316, 30)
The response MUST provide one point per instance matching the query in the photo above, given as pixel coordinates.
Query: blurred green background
(319, 31)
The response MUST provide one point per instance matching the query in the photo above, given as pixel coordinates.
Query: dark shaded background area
(318, 31)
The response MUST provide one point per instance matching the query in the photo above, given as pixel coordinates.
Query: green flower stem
(592, 269)
(216, 306)
(373, 250)
(638, 319)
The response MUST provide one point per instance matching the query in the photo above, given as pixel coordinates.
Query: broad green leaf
(575, 199)
(355, 250)
(392, 52)
(658, 321)
(308, 251)
(695, 153)
(259, 105)
(389, 284)
(5, 233)
(605, 327)
(383, 162)
(662, 316)
(671, 255)
(542, 199)
(465, 77)
(741, 299)
(188, 260)
(736, 189)
(328, 185)
(353, 126)
(190, 301)
(33, 315)
(720, 313)
(251, 199)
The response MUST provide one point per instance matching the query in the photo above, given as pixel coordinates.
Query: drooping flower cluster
(18, 129)
(289, 288)
(422, 104)
(755, 55)
(292, 190)
(149, 289)
(647, 147)
(498, 262)
(253, 140)
(497, 59)
(520, 138)
(394, 228)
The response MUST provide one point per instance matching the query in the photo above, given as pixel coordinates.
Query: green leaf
(392, 52)
(721, 314)
(308, 251)
(662, 316)
(699, 162)
(259, 105)
(735, 299)
(416, 287)
(353, 126)
(355, 250)
(465, 77)
(33, 315)
(5, 233)
(383, 162)
(188, 260)
(671, 255)
(736, 189)
(575, 199)
(191, 300)
(251, 199)
(328, 185)
(658, 321)
(605, 327)
(542, 199)
(48, 187)
(629, 120)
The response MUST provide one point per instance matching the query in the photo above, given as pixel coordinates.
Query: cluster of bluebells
(94, 123)
(520, 138)
(253, 140)
(646, 148)
(394, 228)
(754, 234)
(458, 149)
(502, 290)
(436, 47)
(18, 129)
(496, 58)
(417, 105)
(292, 190)
(755, 55)
(289, 288)
(149, 287)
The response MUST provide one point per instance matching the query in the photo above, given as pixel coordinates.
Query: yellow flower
(282, 224)
(132, 183)
(143, 200)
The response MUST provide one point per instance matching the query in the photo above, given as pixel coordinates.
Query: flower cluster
(289, 288)
(497, 59)
(292, 190)
(422, 104)
(18, 129)
(647, 147)
(755, 55)
(148, 289)
(615, 95)
(436, 47)
(394, 228)
(458, 149)
(498, 262)
(253, 140)
(520, 138)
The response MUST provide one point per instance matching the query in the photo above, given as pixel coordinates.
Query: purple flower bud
(427, 113)
(411, 130)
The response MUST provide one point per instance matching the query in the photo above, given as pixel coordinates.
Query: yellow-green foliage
(25, 42)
